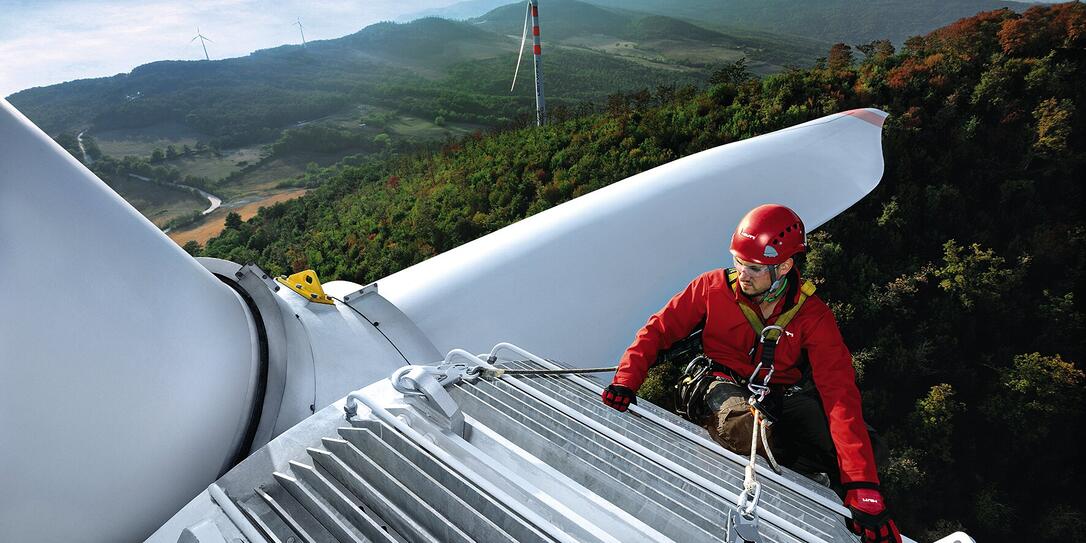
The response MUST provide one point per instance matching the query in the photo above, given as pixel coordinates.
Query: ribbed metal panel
(719, 469)
(371, 484)
(676, 507)
(539, 460)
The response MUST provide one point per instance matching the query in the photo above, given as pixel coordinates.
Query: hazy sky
(51, 41)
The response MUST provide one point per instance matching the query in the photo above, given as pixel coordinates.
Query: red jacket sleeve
(835, 379)
(673, 322)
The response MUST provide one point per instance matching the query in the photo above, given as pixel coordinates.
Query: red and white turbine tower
(537, 51)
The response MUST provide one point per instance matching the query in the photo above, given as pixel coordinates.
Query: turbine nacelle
(132, 376)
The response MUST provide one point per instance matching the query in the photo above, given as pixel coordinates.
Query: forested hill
(958, 282)
(249, 98)
(850, 21)
(428, 67)
(571, 19)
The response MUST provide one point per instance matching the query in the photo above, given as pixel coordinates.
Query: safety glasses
(752, 269)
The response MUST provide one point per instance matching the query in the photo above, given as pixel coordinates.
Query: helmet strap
(775, 291)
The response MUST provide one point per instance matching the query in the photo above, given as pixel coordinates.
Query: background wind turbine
(202, 38)
(537, 51)
(299, 24)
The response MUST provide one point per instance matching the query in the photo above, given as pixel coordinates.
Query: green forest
(957, 282)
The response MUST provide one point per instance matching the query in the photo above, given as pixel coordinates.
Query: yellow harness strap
(755, 320)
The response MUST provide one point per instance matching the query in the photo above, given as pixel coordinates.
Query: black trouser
(801, 436)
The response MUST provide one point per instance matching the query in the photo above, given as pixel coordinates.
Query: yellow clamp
(305, 283)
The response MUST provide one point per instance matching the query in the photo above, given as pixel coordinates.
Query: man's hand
(619, 397)
(870, 519)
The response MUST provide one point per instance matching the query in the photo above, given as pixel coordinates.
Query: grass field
(142, 142)
(403, 125)
(275, 170)
(158, 203)
(271, 173)
(217, 167)
(631, 51)
(671, 54)
(259, 186)
(417, 128)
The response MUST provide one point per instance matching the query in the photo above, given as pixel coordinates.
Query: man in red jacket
(818, 432)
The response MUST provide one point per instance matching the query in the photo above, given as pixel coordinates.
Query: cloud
(51, 42)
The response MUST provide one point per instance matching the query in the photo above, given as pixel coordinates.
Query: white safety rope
(752, 489)
(765, 444)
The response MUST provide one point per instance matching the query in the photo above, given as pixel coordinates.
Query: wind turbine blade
(194, 39)
(523, 40)
(584, 249)
(125, 355)
(207, 38)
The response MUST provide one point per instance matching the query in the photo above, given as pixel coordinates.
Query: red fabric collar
(778, 309)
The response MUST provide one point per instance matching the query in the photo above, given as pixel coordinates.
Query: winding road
(213, 201)
(86, 158)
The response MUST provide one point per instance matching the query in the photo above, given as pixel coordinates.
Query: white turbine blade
(126, 368)
(194, 39)
(523, 39)
(606, 261)
(207, 38)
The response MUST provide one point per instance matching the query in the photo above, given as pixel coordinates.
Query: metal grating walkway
(369, 483)
(537, 459)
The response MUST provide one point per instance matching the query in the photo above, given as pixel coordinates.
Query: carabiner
(764, 331)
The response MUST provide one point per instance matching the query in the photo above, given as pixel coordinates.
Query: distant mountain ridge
(251, 98)
(576, 18)
(458, 11)
(849, 21)
(246, 99)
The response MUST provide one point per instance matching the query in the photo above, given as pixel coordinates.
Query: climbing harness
(805, 291)
(742, 526)
(762, 416)
(701, 371)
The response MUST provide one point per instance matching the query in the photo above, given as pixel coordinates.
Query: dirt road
(213, 224)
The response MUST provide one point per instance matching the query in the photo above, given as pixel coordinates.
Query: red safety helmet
(769, 234)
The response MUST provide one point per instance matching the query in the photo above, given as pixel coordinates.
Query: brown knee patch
(733, 425)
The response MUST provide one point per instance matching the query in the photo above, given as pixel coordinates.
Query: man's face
(753, 278)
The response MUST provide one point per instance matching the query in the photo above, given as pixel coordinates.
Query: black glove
(619, 397)
(870, 518)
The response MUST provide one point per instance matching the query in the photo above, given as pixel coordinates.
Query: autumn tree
(840, 57)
